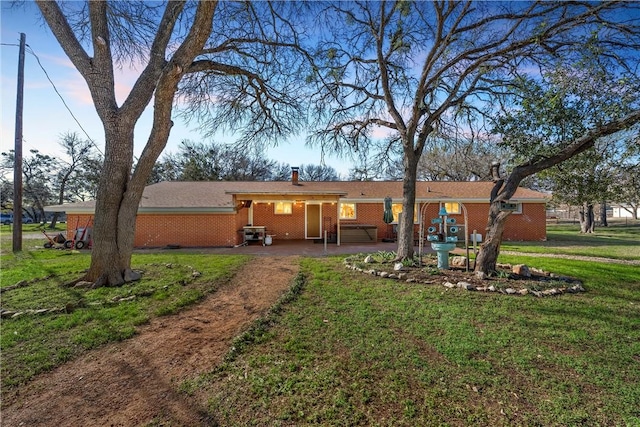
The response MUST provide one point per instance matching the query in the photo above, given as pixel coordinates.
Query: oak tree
(407, 72)
(568, 123)
(224, 60)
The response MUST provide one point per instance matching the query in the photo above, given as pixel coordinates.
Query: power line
(62, 99)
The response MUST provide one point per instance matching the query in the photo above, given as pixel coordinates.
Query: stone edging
(576, 287)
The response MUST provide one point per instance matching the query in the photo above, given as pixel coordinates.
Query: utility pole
(17, 164)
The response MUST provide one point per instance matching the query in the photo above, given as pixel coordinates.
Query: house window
(396, 208)
(452, 208)
(283, 208)
(512, 207)
(347, 211)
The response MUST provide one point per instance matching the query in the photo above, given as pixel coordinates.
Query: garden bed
(508, 279)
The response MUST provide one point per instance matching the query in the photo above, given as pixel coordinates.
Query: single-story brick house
(230, 213)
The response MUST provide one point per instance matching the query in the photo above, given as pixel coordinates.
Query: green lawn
(89, 318)
(350, 349)
(619, 241)
(358, 350)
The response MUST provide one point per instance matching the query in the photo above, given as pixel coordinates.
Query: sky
(46, 119)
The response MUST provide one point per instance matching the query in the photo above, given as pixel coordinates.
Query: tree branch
(576, 147)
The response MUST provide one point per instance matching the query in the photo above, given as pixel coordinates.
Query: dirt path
(135, 382)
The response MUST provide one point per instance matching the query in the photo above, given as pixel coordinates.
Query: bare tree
(416, 69)
(463, 158)
(50, 179)
(280, 172)
(38, 173)
(71, 177)
(171, 40)
(318, 173)
(214, 162)
(6, 193)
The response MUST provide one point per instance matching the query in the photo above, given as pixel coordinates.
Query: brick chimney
(294, 175)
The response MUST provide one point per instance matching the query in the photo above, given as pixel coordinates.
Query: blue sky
(45, 117)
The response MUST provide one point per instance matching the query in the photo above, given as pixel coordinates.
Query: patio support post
(338, 226)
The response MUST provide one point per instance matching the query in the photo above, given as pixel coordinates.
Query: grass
(357, 350)
(89, 318)
(343, 348)
(618, 241)
(34, 227)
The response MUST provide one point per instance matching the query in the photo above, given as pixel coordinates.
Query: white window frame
(519, 210)
(416, 216)
(283, 203)
(355, 211)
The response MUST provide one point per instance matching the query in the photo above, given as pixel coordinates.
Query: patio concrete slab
(296, 247)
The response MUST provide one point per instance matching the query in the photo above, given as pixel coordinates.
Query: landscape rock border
(519, 271)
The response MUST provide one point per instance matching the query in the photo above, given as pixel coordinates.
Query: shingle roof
(218, 195)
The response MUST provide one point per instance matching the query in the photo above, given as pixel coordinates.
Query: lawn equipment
(81, 237)
(58, 242)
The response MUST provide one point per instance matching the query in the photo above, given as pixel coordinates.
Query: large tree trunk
(603, 214)
(490, 249)
(120, 189)
(114, 223)
(54, 220)
(405, 223)
(587, 218)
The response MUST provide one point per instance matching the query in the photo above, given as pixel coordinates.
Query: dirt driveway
(135, 382)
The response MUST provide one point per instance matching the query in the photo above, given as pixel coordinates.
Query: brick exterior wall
(284, 227)
(154, 230)
(530, 225)
(158, 230)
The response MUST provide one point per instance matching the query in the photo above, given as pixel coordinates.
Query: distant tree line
(197, 161)
(49, 180)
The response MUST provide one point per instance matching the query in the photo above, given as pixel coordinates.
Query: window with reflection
(347, 211)
(396, 208)
(452, 207)
(283, 208)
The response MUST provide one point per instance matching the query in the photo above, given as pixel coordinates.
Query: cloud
(55, 60)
